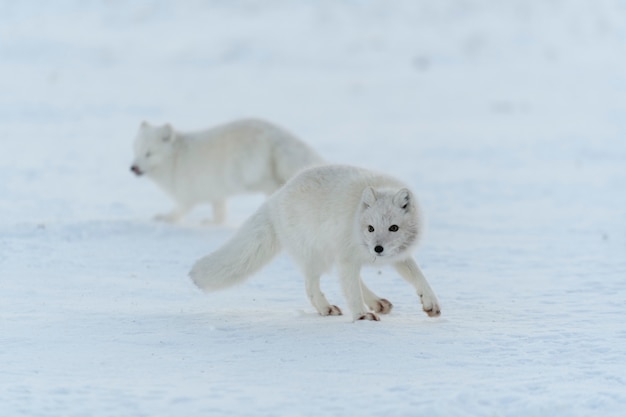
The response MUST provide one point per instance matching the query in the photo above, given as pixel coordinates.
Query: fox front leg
(351, 285)
(173, 216)
(409, 270)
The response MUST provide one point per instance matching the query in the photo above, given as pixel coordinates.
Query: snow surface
(507, 119)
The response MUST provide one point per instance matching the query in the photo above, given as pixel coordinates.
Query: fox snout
(136, 170)
(378, 249)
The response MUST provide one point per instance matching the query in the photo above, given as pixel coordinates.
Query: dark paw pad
(433, 312)
(382, 306)
(369, 316)
(332, 311)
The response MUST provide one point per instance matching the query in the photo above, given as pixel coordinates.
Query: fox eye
(393, 228)
(370, 228)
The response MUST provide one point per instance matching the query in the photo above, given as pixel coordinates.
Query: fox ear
(402, 199)
(368, 198)
(168, 133)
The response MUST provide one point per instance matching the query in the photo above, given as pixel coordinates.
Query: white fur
(244, 156)
(327, 216)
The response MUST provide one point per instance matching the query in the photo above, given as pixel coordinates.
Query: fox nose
(135, 169)
(379, 249)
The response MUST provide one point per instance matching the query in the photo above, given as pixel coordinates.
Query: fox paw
(430, 305)
(381, 305)
(369, 316)
(433, 312)
(331, 311)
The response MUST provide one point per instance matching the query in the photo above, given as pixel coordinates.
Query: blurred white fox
(326, 216)
(244, 156)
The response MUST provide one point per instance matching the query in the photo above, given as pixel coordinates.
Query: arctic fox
(326, 216)
(208, 166)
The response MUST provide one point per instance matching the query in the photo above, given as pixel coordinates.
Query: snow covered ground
(507, 118)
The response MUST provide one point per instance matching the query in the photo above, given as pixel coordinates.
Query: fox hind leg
(374, 302)
(316, 296)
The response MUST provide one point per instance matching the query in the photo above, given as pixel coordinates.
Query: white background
(505, 117)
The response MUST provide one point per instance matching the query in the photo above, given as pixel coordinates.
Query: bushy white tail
(251, 248)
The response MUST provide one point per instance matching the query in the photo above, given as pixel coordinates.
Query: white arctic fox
(325, 216)
(208, 166)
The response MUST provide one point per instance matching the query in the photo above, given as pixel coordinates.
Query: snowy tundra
(506, 118)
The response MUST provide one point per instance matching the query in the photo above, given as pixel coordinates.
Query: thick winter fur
(327, 216)
(244, 156)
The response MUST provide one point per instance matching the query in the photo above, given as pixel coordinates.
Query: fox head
(153, 145)
(388, 222)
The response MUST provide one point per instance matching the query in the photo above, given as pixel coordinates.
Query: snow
(506, 118)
